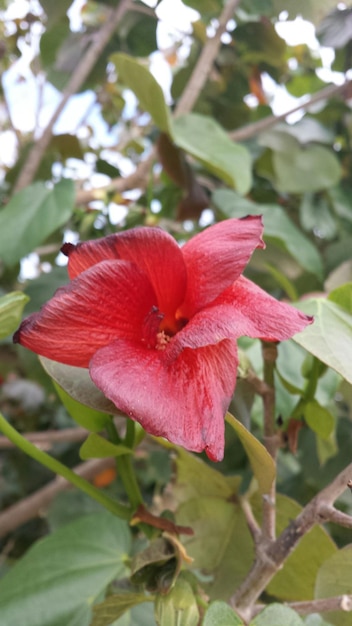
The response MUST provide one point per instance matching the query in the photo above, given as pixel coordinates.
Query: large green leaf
(78, 384)
(204, 139)
(60, 577)
(31, 216)
(221, 614)
(143, 84)
(329, 338)
(261, 461)
(335, 579)
(277, 615)
(11, 308)
(278, 228)
(221, 544)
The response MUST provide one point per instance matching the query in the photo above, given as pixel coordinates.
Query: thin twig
(252, 523)
(267, 122)
(37, 503)
(322, 605)
(328, 513)
(78, 77)
(205, 62)
(137, 180)
(47, 438)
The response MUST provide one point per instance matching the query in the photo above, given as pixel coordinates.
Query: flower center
(162, 339)
(159, 329)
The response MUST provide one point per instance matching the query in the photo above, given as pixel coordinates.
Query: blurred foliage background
(117, 114)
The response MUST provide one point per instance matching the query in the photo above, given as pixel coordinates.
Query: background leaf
(78, 384)
(143, 84)
(261, 461)
(11, 308)
(64, 573)
(31, 216)
(204, 139)
(221, 614)
(329, 338)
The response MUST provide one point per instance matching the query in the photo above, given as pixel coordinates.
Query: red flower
(157, 324)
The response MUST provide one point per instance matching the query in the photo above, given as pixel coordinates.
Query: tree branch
(45, 439)
(335, 603)
(269, 351)
(267, 122)
(271, 557)
(100, 40)
(205, 62)
(37, 502)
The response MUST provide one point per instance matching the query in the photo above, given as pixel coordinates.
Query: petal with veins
(107, 301)
(184, 401)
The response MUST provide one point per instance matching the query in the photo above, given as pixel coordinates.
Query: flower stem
(124, 467)
(58, 468)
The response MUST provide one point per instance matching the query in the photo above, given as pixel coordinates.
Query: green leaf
(84, 415)
(316, 216)
(78, 384)
(261, 461)
(221, 544)
(115, 606)
(342, 296)
(206, 481)
(143, 84)
(204, 139)
(96, 447)
(221, 614)
(31, 216)
(278, 228)
(335, 579)
(11, 308)
(329, 338)
(60, 577)
(319, 419)
(306, 169)
(277, 615)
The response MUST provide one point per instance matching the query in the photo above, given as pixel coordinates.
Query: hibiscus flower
(157, 324)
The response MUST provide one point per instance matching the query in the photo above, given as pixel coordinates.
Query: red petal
(260, 315)
(184, 401)
(244, 309)
(216, 257)
(154, 251)
(108, 301)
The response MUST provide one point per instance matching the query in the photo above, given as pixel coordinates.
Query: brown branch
(252, 523)
(271, 558)
(269, 351)
(37, 502)
(205, 62)
(267, 122)
(46, 439)
(137, 180)
(322, 605)
(99, 42)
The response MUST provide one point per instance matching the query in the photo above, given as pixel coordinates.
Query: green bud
(178, 607)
